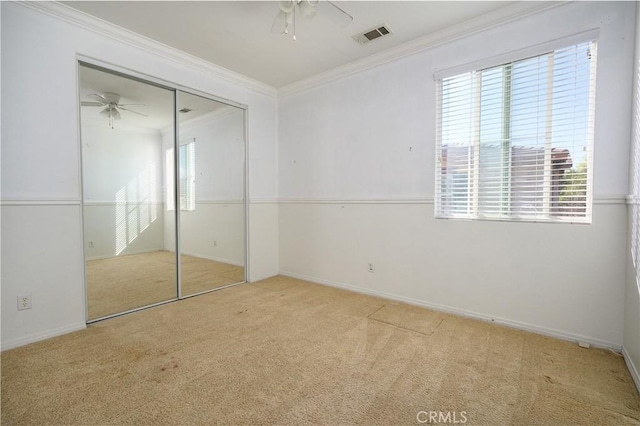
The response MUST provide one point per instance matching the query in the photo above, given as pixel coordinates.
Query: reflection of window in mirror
(187, 177)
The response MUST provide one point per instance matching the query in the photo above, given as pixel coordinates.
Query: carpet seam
(407, 329)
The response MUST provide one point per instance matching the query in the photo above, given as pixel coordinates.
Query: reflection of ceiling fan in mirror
(289, 9)
(112, 107)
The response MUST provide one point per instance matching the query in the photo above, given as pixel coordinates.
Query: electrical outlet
(24, 302)
(90, 244)
(370, 267)
(215, 243)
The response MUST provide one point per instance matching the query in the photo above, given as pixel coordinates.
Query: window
(514, 141)
(634, 198)
(186, 176)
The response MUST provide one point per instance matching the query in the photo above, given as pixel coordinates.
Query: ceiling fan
(286, 16)
(110, 102)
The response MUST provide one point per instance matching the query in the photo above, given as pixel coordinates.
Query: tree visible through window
(514, 141)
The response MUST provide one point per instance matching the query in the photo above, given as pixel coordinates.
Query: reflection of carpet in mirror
(200, 274)
(123, 283)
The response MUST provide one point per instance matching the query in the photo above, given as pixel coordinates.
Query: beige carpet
(284, 351)
(122, 283)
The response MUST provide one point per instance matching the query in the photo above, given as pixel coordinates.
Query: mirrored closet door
(145, 168)
(211, 187)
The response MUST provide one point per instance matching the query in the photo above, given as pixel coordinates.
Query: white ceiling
(237, 34)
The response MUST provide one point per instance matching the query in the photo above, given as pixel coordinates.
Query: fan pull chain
(294, 23)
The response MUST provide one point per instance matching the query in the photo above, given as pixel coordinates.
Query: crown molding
(208, 117)
(470, 27)
(80, 19)
(473, 26)
(201, 119)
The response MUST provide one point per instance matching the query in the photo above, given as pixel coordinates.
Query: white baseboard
(200, 255)
(216, 259)
(255, 279)
(131, 253)
(571, 337)
(32, 338)
(633, 369)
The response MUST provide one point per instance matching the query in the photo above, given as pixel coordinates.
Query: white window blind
(634, 198)
(169, 170)
(186, 177)
(514, 141)
(635, 209)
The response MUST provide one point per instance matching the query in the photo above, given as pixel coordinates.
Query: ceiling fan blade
(100, 97)
(334, 13)
(121, 105)
(135, 112)
(279, 23)
(87, 103)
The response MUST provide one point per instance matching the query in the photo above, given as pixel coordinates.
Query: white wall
(215, 228)
(357, 183)
(631, 338)
(345, 141)
(122, 184)
(41, 230)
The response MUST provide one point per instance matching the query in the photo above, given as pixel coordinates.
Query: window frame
(506, 62)
(170, 162)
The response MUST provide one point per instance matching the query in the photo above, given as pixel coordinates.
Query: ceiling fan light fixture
(307, 9)
(112, 98)
(111, 106)
(112, 113)
(287, 6)
(287, 10)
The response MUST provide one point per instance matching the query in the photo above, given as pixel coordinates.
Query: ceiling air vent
(372, 34)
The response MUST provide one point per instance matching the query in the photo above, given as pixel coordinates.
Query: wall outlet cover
(24, 302)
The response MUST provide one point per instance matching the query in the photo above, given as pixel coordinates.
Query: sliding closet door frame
(176, 192)
(91, 62)
(245, 189)
(85, 296)
(245, 119)
(106, 68)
